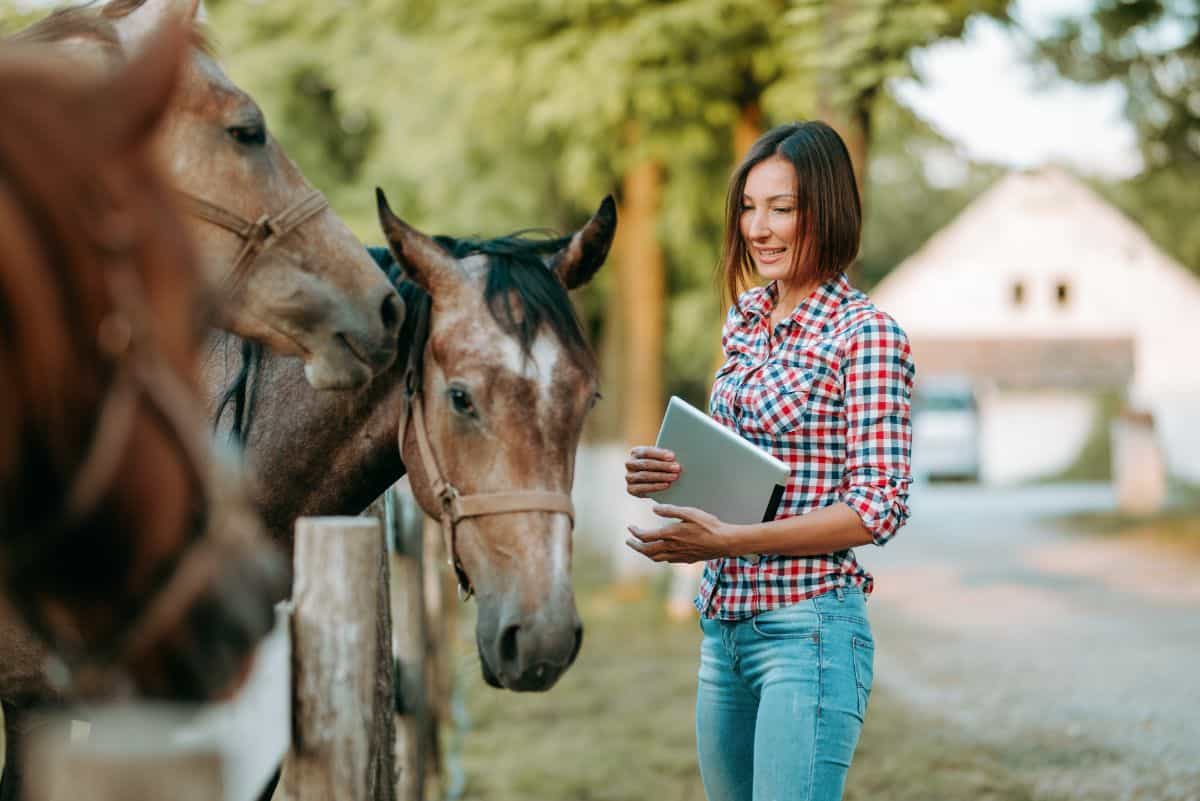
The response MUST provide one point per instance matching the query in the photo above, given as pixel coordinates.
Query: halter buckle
(449, 499)
(265, 228)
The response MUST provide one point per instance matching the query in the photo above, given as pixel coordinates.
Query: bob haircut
(829, 212)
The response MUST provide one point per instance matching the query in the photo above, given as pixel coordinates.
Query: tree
(484, 117)
(852, 48)
(1152, 47)
(696, 80)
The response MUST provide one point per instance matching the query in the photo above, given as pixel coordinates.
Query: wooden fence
(325, 696)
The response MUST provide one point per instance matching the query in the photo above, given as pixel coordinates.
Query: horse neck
(310, 452)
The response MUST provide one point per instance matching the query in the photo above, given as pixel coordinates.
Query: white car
(946, 430)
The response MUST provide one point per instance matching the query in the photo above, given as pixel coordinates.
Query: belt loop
(841, 592)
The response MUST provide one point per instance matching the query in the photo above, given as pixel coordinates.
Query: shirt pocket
(722, 404)
(778, 400)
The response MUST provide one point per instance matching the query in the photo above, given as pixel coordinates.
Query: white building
(1046, 296)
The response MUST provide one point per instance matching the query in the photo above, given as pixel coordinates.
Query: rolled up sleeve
(877, 376)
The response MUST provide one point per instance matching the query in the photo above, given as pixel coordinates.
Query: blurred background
(1029, 171)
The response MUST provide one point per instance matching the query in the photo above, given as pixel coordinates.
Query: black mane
(518, 279)
(521, 293)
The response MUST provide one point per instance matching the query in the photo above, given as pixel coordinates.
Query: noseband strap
(456, 507)
(257, 236)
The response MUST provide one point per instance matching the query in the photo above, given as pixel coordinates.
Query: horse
(291, 275)
(495, 359)
(122, 543)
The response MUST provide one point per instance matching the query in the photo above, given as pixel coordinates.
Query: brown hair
(827, 204)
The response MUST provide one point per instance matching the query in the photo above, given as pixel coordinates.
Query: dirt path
(1079, 656)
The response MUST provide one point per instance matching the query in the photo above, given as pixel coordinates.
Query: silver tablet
(723, 474)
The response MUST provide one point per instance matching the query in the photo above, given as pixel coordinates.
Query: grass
(1176, 527)
(1094, 460)
(619, 725)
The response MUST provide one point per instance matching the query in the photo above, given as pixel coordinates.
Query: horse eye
(460, 399)
(251, 135)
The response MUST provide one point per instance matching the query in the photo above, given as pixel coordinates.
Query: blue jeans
(781, 699)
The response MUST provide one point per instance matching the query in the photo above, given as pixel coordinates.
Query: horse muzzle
(526, 659)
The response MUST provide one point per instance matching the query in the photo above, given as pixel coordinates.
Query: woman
(819, 377)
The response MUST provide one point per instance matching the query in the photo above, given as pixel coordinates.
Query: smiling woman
(817, 376)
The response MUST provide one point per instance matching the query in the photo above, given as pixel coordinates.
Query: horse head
(120, 541)
(501, 385)
(292, 274)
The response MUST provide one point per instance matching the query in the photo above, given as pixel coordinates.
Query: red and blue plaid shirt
(829, 392)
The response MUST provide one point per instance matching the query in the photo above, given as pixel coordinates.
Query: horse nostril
(508, 645)
(390, 312)
(578, 644)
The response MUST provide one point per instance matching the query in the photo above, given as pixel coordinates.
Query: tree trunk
(851, 119)
(641, 288)
(746, 129)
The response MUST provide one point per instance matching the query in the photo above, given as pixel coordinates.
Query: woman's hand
(650, 470)
(697, 537)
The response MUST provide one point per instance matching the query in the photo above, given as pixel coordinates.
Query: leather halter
(140, 372)
(455, 506)
(257, 236)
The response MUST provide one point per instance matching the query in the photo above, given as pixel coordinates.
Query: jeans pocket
(786, 623)
(863, 659)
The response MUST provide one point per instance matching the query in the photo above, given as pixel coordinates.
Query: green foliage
(1165, 202)
(918, 185)
(14, 17)
(1152, 47)
(484, 117)
(848, 50)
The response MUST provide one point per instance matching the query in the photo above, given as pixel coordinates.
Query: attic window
(1018, 293)
(1062, 293)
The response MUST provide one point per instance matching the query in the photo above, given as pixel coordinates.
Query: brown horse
(120, 542)
(294, 277)
(506, 379)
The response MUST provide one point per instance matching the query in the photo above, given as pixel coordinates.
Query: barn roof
(1029, 362)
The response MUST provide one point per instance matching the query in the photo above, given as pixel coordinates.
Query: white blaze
(539, 366)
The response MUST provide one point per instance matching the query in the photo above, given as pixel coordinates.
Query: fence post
(441, 622)
(410, 643)
(342, 664)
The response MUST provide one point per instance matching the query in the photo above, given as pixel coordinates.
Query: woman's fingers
(650, 477)
(643, 535)
(645, 542)
(648, 452)
(652, 466)
(642, 490)
(649, 470)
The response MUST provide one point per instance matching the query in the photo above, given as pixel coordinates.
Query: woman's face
(769, 218)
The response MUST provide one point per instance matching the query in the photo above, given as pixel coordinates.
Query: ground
(1017, 659)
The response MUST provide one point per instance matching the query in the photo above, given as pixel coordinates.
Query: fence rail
(325, 670)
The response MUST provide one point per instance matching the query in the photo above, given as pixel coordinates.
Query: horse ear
(138, 97)
(422, 258)
(136, 28)
(585, 253)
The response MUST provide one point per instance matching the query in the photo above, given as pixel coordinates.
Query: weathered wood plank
(342, 663)
(410, 643)
(145, 751)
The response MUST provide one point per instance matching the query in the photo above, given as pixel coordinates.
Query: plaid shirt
(829, 393)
